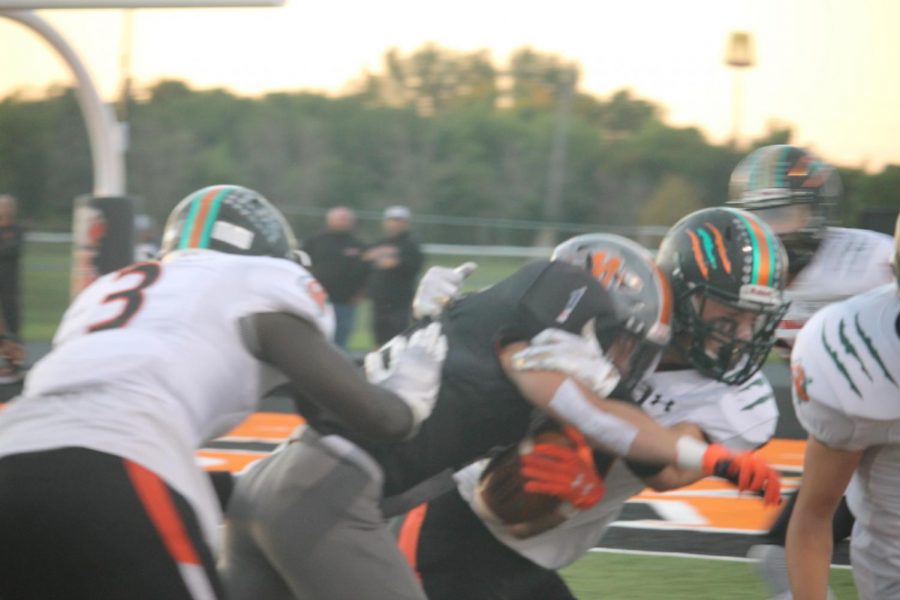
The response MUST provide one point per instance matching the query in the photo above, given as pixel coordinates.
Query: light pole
(738, 55)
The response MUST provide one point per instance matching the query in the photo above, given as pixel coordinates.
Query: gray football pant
(304, 524)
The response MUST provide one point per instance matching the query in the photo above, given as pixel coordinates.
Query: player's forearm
(808, 552)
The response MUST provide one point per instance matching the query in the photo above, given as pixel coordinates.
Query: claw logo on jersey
(801, 381)
(315, 291)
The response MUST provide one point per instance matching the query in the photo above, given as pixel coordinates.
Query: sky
(828, 68)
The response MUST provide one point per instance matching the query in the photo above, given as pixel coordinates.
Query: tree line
(444, 132)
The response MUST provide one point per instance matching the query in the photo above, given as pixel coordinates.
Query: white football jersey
(848, 262)
(739, 417)
(846, 390)
(149, 362)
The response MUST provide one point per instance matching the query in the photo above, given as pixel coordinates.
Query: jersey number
(132, 296)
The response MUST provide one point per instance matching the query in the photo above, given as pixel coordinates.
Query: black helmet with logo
(727, 269)
(641, 293)
(232, 219)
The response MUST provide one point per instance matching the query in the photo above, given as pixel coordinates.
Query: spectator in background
(146, 241)
(396, 261)
(337, 263)
(12, 239)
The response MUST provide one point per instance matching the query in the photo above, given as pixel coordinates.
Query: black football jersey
(477, 407)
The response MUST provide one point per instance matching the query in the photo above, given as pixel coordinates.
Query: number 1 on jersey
(132, 296)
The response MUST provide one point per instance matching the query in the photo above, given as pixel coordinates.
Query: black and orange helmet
(730, 258)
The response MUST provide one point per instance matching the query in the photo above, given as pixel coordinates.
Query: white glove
(411, 368)
(577, 356)
(437, 287)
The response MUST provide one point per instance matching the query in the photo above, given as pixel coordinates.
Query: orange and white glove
(566, 473)
(749, 471)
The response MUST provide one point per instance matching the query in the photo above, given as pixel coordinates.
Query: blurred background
(504, 126)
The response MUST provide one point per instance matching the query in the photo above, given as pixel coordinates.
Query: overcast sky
(828, 67)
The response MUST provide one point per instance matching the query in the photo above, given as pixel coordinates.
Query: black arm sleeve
(319, 371)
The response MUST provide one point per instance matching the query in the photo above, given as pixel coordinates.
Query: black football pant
(76, 524)
(457, 557)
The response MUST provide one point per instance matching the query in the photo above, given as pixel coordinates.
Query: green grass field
(605, 576)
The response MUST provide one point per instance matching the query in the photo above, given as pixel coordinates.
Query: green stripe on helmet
(189, 222)
(212, 215)
(708, 247)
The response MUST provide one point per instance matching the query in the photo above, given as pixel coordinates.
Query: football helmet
(232, 219)
(728, 270)
(635, 338)
(793, 191)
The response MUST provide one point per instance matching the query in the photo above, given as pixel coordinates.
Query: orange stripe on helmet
(200, 221)
(698, 254)
(720, 247)
(665, 312)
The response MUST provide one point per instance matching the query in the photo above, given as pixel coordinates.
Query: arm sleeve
(286, 287)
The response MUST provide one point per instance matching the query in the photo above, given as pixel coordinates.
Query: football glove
(411, 368)
(566, 473)
(438, 287)
(578, 356)
(748, 471)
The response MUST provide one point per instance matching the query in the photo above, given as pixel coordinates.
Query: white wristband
(689, 453)
(608, 430)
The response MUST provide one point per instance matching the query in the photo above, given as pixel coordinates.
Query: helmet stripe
(720, 247)
(212, 215)
(665, 309)
(698, 254)
(763, 252)
(204, 210)
(708, 247)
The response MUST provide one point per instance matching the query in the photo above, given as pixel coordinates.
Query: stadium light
(739, 56)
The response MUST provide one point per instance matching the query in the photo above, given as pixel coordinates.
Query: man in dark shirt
(337, 263)
(396, 261)
(11, 242)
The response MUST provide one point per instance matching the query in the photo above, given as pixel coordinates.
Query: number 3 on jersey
(132, 296)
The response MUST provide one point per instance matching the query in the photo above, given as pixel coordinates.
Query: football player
(100, 494)
(727, 273)
(308, 521)
(795, 192)
(846, 393)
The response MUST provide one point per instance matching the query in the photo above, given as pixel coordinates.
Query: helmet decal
(204, 210)
(604, 266)
(698, 254)
(720, 246)
(760, 266)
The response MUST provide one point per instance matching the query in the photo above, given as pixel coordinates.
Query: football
(501, 489)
